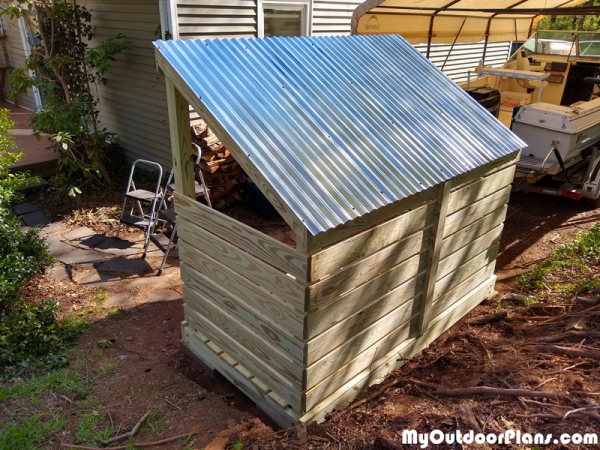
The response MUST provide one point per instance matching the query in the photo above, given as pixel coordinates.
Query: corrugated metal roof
(340, 126)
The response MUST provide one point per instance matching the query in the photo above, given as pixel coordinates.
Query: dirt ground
(152, 372)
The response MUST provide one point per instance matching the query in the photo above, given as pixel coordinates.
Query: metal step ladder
(147, 203)
(167, 215)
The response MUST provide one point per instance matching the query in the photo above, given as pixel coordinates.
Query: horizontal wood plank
(477, 229)
(380, 285)
(477, 210)
(246, 238)
(486, 170)
(197, 240)
(285, 387)
(370, 241)
(366, 269)
(272, 332)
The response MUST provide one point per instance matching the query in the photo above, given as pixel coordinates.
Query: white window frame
(304, 6)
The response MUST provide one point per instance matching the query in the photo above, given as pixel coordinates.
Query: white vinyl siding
(332, 17)
(216, 19)
(133, 101)
(16, 54)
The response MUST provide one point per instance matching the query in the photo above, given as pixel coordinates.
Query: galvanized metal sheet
(340, 126)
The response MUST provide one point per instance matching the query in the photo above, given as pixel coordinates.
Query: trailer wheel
(593, 203)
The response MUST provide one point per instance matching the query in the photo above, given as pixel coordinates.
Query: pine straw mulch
(551, 353)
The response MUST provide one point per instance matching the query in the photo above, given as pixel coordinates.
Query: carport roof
(337, 126)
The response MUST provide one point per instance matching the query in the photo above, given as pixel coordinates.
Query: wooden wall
(301, 332)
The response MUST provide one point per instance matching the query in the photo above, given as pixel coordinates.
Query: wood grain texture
(431, 274)
(241, 377)
(382, 284)
(476, 191)
(240, 235)
(197, 240)
(370, 241)
(467, 269)
(286, 388)
(181, 141)
(348, 318)
(272, 331)
(272, 195)
(477, 229)
(369, 268)
(486, 170)
(370, 220)
(476, 211)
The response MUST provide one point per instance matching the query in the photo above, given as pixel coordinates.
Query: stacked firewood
(222, 174)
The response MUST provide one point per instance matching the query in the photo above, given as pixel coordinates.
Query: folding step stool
(167, 214)
(145, 221)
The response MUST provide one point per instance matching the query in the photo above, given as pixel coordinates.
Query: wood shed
(394, 181)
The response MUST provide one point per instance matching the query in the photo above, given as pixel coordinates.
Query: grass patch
(581, 252)
(89, 426)
(107, 369)
(30, 433)
(116, 314)
(58, 381)
(155, 422)
(100, 296)
(104, 343)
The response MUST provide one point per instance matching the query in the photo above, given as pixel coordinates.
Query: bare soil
(153, 373)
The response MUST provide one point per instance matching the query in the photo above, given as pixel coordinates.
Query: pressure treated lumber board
(370, 220)
(198, 241)
(380, 285)
(276, 408)
(332, 325)
(242, 236)
(484, 171)
(278, 360)
(469, 251)
(477, 210)
(288, 389)
(468, 268)
(480, 189)
(195, 294)
(370, 241)
(214, 281)
(369, 268)
(468, 234)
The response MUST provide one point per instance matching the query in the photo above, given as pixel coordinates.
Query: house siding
(16, 54)
(133, 102)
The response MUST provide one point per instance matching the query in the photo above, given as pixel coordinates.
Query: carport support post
(181, 140)
(439, 223)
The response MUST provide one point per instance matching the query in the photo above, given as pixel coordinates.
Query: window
(283, 19)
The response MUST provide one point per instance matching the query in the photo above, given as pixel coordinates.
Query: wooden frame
(301, 331)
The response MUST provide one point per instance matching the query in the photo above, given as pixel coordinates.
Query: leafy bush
(32, 339)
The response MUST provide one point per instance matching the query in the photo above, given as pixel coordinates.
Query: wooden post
(181, 141)
(434, 256)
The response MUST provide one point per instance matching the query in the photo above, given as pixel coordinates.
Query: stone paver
(85, 237)
(163, 296)
(122, 298)
(36, 218)
(53, 228)
(79, 256)
(25, 208)
(56, 247)
(97, 279)
(150, 282)
(127, 266)
(119, 247)
(60, 272)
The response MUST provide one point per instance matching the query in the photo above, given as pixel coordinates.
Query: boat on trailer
(547, 92)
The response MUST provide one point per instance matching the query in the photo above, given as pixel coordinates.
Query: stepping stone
(58, 248)
(117, 299)
(53, 228)
(84, 237)
(36, 218)
(119, 247)
(98, 279)
(25, 208)
(127, 266)
(79, 256)
(150, 282)
(60, 272)
(165, 295)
